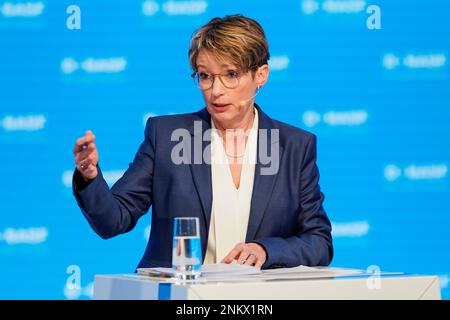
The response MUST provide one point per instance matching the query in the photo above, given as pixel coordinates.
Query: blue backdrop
(378, 100)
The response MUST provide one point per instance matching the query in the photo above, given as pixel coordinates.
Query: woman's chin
(226, 117)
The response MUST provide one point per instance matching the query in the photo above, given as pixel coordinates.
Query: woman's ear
(262, 75)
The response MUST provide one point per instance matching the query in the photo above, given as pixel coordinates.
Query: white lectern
(363, 286)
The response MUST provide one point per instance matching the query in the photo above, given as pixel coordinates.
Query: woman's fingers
(86, 155)
(82, 143)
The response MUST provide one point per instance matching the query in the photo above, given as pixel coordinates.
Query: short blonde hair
(235, 38)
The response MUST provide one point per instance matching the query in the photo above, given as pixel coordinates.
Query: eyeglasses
(205, 81)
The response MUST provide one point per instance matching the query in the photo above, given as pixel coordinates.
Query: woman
(252, 180)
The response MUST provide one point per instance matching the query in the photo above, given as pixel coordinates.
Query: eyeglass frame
(240, 74)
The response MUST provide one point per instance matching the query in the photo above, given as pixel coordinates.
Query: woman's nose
(217, 88)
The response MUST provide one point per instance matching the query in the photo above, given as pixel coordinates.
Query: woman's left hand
(251, 254)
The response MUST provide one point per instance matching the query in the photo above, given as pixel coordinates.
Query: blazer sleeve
(312, 244)
(114, 211)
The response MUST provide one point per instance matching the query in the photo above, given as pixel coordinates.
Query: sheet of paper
(236, 272)
(156, 272)
(304, 270)
(222, 269)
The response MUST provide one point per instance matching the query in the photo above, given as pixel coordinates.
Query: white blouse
(230, 206)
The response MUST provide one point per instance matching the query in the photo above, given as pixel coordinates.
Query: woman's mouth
(220, 106)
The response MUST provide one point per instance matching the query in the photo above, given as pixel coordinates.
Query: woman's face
(228, 107)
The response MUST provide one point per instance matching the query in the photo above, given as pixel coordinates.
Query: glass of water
(186, 250)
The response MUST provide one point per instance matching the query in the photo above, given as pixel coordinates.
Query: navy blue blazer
(286, 216)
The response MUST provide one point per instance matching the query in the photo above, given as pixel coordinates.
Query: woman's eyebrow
(222, 66)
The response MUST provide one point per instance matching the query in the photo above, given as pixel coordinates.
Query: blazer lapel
(201, 170)
(263, 184)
